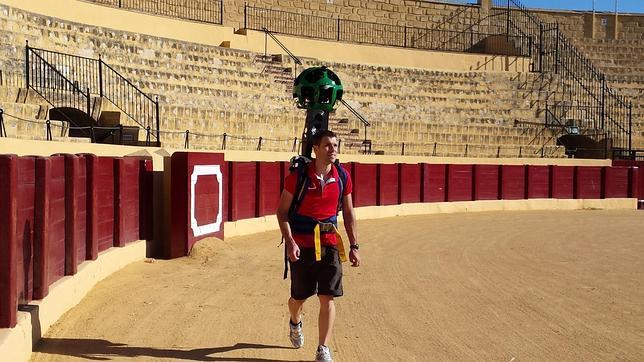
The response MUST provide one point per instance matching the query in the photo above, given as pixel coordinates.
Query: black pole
(223, 143)
(100, 76)
(507, 25)
(405, 41)
(557, 50)
(89, 105)
(403, 149)
(259, 144)
(147, 135)
(221, 12)
(49, 138)
(630, 125)
(245, 16)
(186, 142)
(603, 104)
(27, 64)
(3, 131)
(540, 47)
(156, 102)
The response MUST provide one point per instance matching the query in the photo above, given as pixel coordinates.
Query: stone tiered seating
(212, 90)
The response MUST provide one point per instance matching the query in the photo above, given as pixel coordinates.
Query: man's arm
(292, 250)
(349, 216)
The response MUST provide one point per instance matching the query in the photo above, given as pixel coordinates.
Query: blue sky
(623, 6)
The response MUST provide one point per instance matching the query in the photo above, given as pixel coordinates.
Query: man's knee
(325, 299)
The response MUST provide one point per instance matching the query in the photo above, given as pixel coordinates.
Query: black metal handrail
(585, 86)
(205, 11)
(364, 121)
(96, 75)
(49, 83)
(318, 27)
(270, 34)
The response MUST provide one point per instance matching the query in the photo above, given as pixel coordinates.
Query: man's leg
(295, 307)
(326, 318)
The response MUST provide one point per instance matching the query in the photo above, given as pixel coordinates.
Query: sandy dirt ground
(494, 286)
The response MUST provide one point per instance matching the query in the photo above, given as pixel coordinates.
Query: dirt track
(501, 286)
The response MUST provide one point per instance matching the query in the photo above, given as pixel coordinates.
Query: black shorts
(309, 277)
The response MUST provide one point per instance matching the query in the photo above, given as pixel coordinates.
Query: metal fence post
(156, 103)
(630, 125)
(147, 135)
(557, 50)
(403, 149)
(27, 65)
(221, 12)
(100, 76)
(89, 103)
(507, 25)
(48, 123)
(245, 16)
(540, 47)
(603, 104)
(186, 142)
(294, 145)
(405, 41)
(223, 143)
(259, 144)
(3, 131)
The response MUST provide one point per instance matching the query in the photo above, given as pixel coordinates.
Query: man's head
(325, 146)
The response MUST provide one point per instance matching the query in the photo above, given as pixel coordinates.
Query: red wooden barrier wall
(434, 183)
(105, 191)
(269, 180)
(242, 190)
(48, 207)
(486, 182)
(365, 180)
(387, 184)
(8, 242)
(562, 181)
(409, 179)
(56, 231)
(588, 182)
(25, 220)
(615, 181)
(513, 183)
(538, 180)
(459, 182)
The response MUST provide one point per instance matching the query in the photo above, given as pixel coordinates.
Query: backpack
(300, 165)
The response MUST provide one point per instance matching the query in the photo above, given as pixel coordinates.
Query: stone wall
(213, 90)
(422, 14)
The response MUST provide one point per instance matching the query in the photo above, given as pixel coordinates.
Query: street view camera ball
(317, 88)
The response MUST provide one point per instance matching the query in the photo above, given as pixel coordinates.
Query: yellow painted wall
(45, 148)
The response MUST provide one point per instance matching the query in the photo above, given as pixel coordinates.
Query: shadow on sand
(103, 350)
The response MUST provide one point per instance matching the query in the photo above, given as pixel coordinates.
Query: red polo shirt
(320, 202)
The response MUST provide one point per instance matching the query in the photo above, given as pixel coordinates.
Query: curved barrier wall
(59, 211)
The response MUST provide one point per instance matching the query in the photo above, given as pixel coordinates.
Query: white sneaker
(296, 334)
(323, 354)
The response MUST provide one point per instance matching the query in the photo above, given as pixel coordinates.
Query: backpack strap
(342, 182)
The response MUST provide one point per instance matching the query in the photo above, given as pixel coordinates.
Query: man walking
(307, 216)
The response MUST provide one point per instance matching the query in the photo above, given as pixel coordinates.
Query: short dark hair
(319, 135)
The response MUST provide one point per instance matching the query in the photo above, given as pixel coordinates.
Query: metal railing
(99, 78)
(205, 11)
(54, 87)
(366, 144)
(338, 29)
(585, 86)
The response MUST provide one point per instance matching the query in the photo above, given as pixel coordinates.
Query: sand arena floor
(497, 286)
